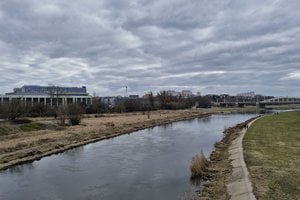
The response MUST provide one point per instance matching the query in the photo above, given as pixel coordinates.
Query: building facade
(246, 94)
(48, 95)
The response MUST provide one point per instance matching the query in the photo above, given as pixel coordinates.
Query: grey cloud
(152, 45)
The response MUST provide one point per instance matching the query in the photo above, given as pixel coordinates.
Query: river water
(147, 164)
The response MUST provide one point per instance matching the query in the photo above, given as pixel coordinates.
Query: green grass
(272, 153)
(33, 126)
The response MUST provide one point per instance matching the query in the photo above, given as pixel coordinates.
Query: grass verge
(272, 149)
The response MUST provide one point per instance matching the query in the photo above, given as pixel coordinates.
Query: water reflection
(149, 164)
(196, 181)
(20, 169)
(166, 126)
(204, 119)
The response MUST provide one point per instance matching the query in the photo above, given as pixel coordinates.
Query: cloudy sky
(212, 46)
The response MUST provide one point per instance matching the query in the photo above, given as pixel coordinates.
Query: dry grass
(219, 168)
(198, 165)
(13, 147)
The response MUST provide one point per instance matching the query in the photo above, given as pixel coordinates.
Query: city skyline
(40, 89)
(212, 47)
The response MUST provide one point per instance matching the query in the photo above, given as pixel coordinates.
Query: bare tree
(151, 100)
(164, 98)
(14, 109)
(55, 93)
(62, 114)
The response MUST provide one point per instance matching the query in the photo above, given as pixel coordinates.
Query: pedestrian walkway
(239, 186)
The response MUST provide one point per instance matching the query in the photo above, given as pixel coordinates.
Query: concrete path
(239, 187)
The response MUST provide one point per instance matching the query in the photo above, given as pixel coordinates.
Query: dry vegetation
(44, 136)
(219, 168)
(198, 165)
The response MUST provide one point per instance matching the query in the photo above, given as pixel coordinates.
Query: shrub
(75, 112)
(198, 165)
(14, 109)
(21, 121)
(2, 110)
(62, 112)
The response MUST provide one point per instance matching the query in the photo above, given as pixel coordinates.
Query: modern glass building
(36, 89)
(48, 95)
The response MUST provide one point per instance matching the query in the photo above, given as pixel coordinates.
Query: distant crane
(126, 89)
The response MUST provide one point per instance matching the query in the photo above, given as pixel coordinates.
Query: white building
(186, 93)
(48, 95)
(173, 93)
(247, 94)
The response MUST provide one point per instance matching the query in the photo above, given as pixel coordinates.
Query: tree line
(163, 100)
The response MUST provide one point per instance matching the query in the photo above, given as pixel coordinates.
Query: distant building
(173, 93)
(246, 94)
(109, 101)
(113, 101)
(134, 96)
(48, 95)
(186, 93)
(146, 96)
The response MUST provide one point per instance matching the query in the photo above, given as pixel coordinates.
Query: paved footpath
(239, 187)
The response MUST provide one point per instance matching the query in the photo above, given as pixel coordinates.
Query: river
(147, 164)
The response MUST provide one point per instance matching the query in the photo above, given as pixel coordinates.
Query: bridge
(261, 104)
(234, 103)
(279, 101)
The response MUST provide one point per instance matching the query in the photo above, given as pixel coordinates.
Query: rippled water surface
(148, 164)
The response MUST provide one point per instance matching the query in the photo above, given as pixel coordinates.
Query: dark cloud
(211, 46)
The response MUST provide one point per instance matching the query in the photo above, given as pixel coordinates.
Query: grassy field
(272, 153)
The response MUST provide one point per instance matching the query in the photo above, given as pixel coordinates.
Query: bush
(62, 112)
(75, 112)
(1, 111)
(198, 165)
(14, 109)
(21, 121)
(36, 110)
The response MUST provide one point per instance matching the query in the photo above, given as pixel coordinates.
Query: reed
(198, 165)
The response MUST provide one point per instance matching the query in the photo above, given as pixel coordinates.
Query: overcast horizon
(210, 46)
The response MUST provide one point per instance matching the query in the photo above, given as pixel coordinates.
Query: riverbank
(25, 142)
(271, 149)
(220, 169)
(40, 137)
